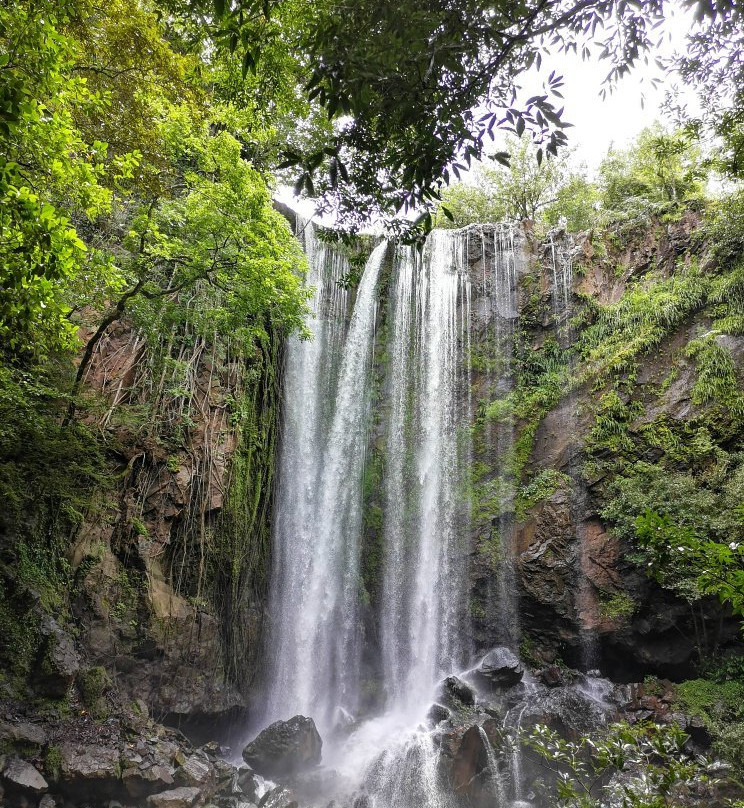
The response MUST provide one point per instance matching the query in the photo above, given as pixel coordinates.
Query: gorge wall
(583, 364)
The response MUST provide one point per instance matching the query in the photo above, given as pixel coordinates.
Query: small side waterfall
(562, 253)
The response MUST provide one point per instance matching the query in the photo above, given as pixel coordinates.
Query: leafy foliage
(638, 766)
(548, 192)
(661, 168)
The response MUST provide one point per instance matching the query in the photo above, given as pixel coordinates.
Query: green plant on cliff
(718, 700)
(648, 311)
(693, 565)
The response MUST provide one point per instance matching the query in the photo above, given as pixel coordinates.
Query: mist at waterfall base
(418, 405)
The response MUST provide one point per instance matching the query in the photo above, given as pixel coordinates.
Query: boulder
(58, 661)
(471, 759)
(455, 693)
(278, 797)
(147, 778)
(284, 748)
(23, 736)
(247, 782)
(501, 668)
(567, 710)
(175, 798)
(555, 676)
(195, 771)
(22, 776)
(87, 764)
(437, 713)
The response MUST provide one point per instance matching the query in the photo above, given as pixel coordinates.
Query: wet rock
(500, 668)
(195, 771)
(455, 693)
(247, 782)
(555, 676)
(175, 798)
(278, 797)
(58, 661)
(568, 711)
(284, 748)
(437, 713)
(22, 776)
(467, 770)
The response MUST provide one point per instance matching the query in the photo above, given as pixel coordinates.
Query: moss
(538, 489)
(238, 549)
(19, 629)
(721, 707)
(93, 684)
(617, 606)
(53, 762)
(528, 651)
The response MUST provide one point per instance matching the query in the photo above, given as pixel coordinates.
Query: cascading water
(314, 609)
(425, 426)
(562, 251)
(424, 550)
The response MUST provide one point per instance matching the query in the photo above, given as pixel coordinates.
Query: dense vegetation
(136, 195)
(141, 144)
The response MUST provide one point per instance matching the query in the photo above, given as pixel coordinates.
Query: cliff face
(584, 381)
(604, 399)
(162, 582)
(171, 571)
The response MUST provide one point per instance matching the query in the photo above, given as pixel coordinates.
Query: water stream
(424, 409)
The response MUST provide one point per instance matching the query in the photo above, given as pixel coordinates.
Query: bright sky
(634, 104)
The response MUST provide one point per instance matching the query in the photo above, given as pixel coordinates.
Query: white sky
(634, 103)
(597, 123)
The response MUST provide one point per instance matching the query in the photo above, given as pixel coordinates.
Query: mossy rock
(93, 684)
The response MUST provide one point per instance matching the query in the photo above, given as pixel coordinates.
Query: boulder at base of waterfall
(437, 713)
(501, 668)
(278, 798)
(455, 693)
(284, 748)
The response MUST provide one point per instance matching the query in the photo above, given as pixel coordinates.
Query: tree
(693, 566)
(714, 64)
(660, 167)
(221, 232)
(403, 88)
(544, 192)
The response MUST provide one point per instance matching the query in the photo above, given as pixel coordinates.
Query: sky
(598, 123)
(633, 105)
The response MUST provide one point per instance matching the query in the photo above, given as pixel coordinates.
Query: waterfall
(424, 549)
(314, 610)
(561, 261)
(505, 311)
(421, 398)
